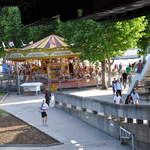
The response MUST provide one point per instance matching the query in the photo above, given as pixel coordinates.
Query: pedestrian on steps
(118, 87)
(135, 97)
(117, 98)
(113, 86)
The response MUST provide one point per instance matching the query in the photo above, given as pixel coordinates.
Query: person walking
(129, 100)
(128, 69)
(139, 66)
(113, 86)
(118, 87)
(124, 79)
(47, 97)
(43, 109)
(129, 78)
(120, 68)
(135, 97)
(117, 98)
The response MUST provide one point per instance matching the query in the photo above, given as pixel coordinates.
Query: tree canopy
(11, 29)
(96, 41)
(99, 41)
(144, 41)
(10, 24)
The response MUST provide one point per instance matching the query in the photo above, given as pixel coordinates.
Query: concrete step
(143, 91)
(146, 79)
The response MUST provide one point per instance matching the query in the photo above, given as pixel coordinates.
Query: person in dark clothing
(124, 79)
(47, 97)
(120, 67)
(129, 100)
(113, 86)
(139, 67)
(70, 68)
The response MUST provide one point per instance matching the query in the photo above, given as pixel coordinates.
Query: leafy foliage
(35, 33)
(99, 41)
(11, 29)
(145, 39)
(11, 25)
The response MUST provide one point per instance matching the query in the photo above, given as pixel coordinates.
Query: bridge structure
(38, 11)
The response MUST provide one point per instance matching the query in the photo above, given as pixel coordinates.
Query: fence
(11, 83)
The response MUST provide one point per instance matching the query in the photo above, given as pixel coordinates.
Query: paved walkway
(74, 133)
(102, 95)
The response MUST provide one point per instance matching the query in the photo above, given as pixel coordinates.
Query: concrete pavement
(102, 95)
(75, 134)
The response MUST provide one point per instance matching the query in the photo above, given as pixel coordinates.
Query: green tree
(102, 41)
(11, 29)
(144, 42)
(11, 23)
(35, 33)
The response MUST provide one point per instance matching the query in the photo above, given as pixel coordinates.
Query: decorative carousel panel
(60, 53)
(36, 54)
(16, 55)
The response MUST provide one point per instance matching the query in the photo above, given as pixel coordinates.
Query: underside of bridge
(99, 10)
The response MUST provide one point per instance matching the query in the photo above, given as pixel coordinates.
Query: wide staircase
(141, 82)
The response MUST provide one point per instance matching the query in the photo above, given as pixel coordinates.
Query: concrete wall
(96, 113)
(128, 111)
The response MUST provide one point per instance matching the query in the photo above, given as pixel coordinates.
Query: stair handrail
(139, 76)
(125, 134)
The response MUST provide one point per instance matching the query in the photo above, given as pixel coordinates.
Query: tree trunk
(103, 65)
(109, 72)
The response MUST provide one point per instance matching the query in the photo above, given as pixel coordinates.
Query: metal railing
(126, 135)
(11, 83)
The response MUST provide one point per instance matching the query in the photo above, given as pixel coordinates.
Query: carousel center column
(49, 75)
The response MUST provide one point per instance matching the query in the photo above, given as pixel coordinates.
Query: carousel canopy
(49, 47)
(52, 41)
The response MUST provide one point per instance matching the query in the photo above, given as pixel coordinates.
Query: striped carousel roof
(52, 46)
(52, 41)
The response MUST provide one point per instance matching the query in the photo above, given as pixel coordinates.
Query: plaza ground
(15, 131)
(72, 132)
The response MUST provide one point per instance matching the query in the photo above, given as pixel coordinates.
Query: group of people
(134, 67)
(132, 98)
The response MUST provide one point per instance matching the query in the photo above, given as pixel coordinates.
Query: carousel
(50, 62)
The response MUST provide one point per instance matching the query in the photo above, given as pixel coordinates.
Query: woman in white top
(118, 87)
(117, 99)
